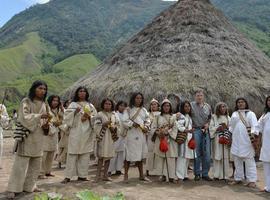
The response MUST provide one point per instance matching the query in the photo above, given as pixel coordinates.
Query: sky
(8, 8)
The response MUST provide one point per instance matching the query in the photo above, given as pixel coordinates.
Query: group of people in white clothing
(124, 134)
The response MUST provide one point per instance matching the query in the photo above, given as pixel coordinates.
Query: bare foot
(264, 190)
(235, 182)
(106, 178)
(251, 185)
(38, 190)
(97, 179)
(42, 177)
(10, 195)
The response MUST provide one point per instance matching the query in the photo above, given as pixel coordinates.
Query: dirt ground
(135, 190)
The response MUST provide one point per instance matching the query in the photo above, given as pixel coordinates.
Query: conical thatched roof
(191, 45)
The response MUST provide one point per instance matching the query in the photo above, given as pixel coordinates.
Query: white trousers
(218, 168)
(266, 168)
(77, 164)
(24, 174)
(251, 171)
(182, 167)
(161, 167)
(117, 162)
(47, 162)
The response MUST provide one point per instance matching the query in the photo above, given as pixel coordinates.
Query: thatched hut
(190, 45)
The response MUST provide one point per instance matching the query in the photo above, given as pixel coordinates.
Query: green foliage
(23, 59)
(252, 12)
(252, 17)
(260, 38)
(50, 196)
(81, 195)
(89, 195)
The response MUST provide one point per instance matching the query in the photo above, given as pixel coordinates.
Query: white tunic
(151, 144)
(217, 147)
(173, 146)
(80, 140)
(4, 118)
(29, 115)
(50, 141)
(136, 145)
(105, 147)
(264, 128)
(185, 122)
(119, 145)
(241, 144)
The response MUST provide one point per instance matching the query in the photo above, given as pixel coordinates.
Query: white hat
(166, 101)
(154, 100)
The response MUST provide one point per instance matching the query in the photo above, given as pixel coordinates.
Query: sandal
(82, 179)
(145, 179)
(264, 190)
(50, 175)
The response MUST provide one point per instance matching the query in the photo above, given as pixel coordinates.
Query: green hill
(63, 75)
(25, 58)
(83, 26)
(32, 58)
(252, 17)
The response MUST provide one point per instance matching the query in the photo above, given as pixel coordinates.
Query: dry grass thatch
(191, 45)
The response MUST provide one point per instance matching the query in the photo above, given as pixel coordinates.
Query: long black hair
(76, 95)
(35, 85)
(132, 99)
(103, 102)
(119, 103)
(182, 107)
(66, 103)
(50, 100)
(162, 110)
(267, 108)
(239, 99)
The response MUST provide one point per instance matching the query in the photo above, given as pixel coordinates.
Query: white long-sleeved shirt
(264, 128)
(4, 119)
(241, 144)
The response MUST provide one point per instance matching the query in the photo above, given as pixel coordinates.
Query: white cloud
(36, 1)
(169, 0)
(41, 1)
